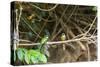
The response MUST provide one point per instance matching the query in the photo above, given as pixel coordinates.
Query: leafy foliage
(30, 56)
(20, 53)
(27, 57)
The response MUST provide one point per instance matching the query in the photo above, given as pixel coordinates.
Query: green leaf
(20, 54)
(34, 52)
(37, 57)
(34, 56)
(34, 59)
(43, 58)
(27, 57)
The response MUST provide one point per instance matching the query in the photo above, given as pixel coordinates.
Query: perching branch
(61, 42)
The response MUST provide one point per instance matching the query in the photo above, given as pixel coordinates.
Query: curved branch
(44, 9)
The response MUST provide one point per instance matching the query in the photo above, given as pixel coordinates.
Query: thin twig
(88, 52)
(41, 30)
(57, 22)
(44, 9)
(16, 31)
(71, 13)
(24, 40)
(94, 32)
(25, 21)
(20, 13)
(90, 27)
